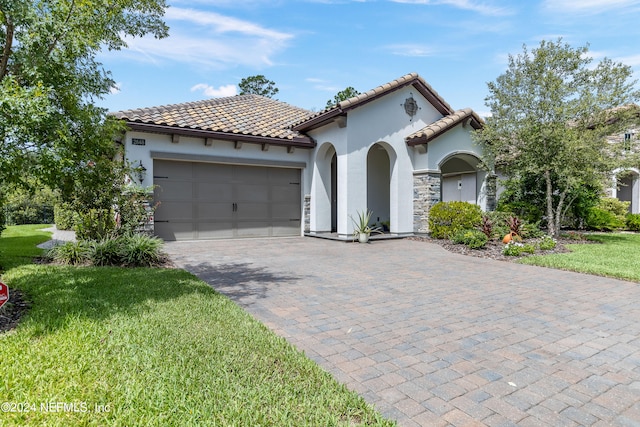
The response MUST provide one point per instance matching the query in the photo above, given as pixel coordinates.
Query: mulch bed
(12, 311)
(493, 249)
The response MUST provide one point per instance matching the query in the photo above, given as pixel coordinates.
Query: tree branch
(4, 62)
(57, 37)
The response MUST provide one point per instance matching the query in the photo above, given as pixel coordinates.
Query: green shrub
(139, 250)
(447, 218)
(603, 220)
(95, 224)
(547, 243)
(64, 216)
(71, 253)
(106, 252)
(499, 223)
(473, 239)
(633, 222)
(516, 249)
(609, 215)
(617, 207)
(531, 230)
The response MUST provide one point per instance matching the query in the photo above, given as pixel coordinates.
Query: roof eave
(299, 141)
(473, 119)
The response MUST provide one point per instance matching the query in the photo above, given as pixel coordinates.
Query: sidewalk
(58, 237)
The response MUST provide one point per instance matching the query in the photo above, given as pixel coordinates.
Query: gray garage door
(218, 201)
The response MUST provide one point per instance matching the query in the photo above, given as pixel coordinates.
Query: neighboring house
(249, 166)
(627, 181)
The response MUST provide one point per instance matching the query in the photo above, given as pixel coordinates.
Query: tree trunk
(551, 223)
(558, 218)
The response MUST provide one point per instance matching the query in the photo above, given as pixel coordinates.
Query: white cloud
(588, 6)
(115, 89)
(210, 91)
(410, 49)
(223, 24)
(475, 6)
(631, 60)
(207, 39)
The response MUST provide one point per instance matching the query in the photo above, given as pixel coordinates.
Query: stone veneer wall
(307, 213)
(426, 193)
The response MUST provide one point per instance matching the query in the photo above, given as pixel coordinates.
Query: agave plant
(361, 225)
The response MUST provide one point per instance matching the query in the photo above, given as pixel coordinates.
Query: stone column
(426, 193)
(307, 213)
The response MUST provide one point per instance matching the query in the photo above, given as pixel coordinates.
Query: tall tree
(551, 111)
(50, 78)
(258, 85)
(343, 95)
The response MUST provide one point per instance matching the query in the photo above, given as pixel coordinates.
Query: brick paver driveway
(434, 338)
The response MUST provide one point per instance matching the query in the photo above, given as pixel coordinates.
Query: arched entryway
(324, 199)
(460, 180)
(379, 185)
(628, 189)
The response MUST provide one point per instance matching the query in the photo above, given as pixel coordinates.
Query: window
(628, 137)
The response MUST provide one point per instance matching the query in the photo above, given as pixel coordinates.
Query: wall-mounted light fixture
(141, 172)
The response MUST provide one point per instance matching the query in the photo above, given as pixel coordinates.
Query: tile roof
(413, 79)
(439, 127)
(235, 116)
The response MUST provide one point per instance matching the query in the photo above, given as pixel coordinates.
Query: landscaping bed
(493, 248)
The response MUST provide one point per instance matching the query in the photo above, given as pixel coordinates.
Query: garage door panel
(253, 229)
(173, 170)
(180, 211)
(250, 174)
(214, 201)
(175, 190)
(208, 172)
(214, 191)
(285, 228)
(285, 193)
(285, 211)
(284, 176)
(217, 211)
(215, 230)
(248, 210)
(174, 230)
(254, 193)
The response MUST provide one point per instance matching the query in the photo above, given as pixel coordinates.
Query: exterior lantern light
(141, 172)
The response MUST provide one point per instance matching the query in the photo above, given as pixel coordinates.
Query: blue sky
(314, 48)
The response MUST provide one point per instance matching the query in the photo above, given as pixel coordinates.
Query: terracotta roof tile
(243, 114)
(439, 127)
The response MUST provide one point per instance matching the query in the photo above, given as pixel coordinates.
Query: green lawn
(18, 245)
(618, 256)
(153, 347)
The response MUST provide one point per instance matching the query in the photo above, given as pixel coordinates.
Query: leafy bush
(95, 224)
(71, 253)
(135, 250)
(30, 207)
(64, 216)
(106, 252)
(603, 220)
(473, 239)
(499, 226)
(447, 218)
(608, 215)
(516, 249)
(139, 250)
(515, 225)
(531, 230)
(547, 243)
(633, 222)
(487, 226)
